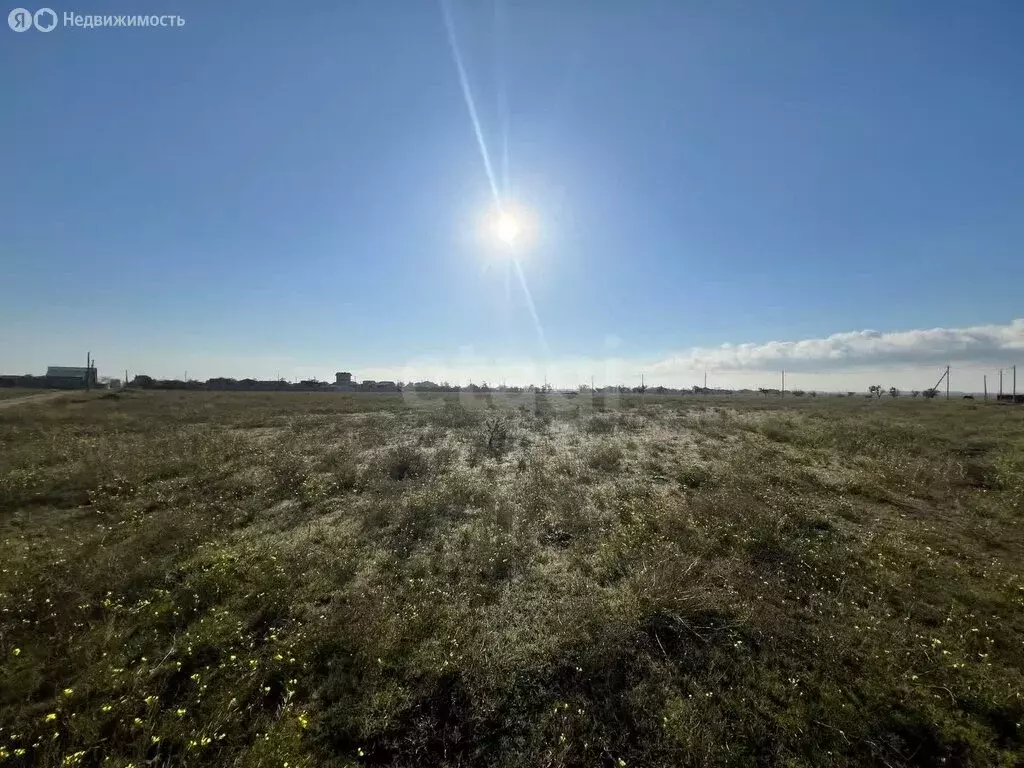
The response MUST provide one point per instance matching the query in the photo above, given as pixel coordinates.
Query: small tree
(893, 392)
(930, 393)
(875, 389)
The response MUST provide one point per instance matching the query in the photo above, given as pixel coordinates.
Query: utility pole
(705, 381)
(782, 392)
(945, 375)
(125, 385)
(88, 369)
(1000, 382)
(1014, 382)
(984, 380)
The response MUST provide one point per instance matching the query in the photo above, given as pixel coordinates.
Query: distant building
(67, 377)
(343, 383)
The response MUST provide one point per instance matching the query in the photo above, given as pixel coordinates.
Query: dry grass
(246, 579)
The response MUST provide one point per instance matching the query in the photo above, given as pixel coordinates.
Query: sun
(507, 228)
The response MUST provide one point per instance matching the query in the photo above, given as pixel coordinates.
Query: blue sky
(297, 190)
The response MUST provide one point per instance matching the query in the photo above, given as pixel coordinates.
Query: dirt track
(30, 399)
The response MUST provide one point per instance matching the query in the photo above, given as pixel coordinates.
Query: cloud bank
(855, 350)
(911, 359)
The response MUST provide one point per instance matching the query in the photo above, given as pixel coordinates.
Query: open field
(307, 580)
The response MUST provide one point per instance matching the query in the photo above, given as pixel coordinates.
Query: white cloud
(911, 359)
(857, 350)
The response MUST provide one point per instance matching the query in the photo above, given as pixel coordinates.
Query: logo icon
(45, 19)
(20, 20)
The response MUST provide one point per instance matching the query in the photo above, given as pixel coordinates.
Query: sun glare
(507, 228)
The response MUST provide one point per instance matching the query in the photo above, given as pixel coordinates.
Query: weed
(403, 462)
(605, 456)
(693, 476)
(498, 432)
(601, 424)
